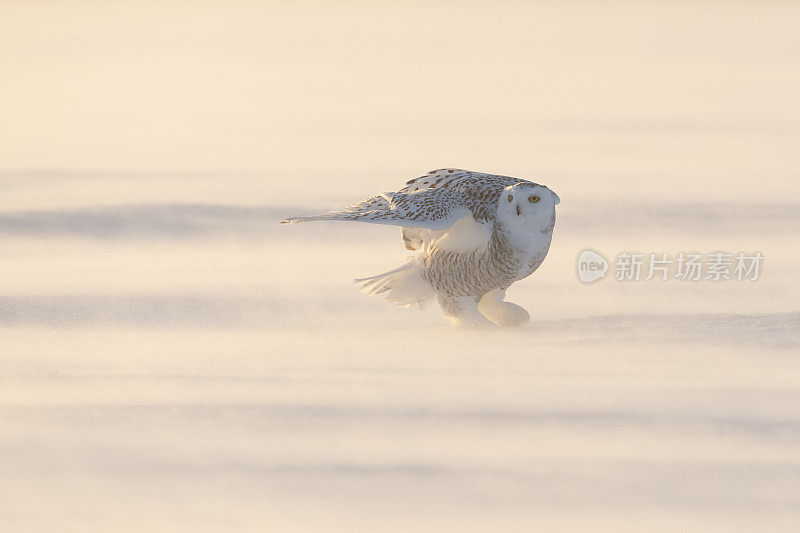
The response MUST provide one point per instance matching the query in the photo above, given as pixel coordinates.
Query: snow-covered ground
(173, 359)
(169, 366)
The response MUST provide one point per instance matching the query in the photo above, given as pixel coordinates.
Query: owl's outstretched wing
(432, 209)
(428, 207)
(480, 191)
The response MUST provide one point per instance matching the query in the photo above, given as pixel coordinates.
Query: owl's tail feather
(403, 286)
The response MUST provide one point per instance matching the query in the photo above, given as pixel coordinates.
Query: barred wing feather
(433, 209)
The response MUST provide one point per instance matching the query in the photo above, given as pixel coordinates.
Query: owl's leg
(502, 313)
(462, 311)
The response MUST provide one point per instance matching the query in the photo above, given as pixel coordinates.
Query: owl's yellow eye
(510, 197)
(533, 199)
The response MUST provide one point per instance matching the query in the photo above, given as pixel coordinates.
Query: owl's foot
(471, 320)
(504, 314)
(463, 312)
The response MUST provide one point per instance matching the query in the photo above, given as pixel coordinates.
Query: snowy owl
(475, 234)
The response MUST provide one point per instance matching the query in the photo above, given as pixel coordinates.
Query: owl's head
(527, 207)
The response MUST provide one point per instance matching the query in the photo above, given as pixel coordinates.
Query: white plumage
(475, 234)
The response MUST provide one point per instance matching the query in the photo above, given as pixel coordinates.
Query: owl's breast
(534, 255)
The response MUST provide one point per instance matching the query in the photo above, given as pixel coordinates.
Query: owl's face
(527, 207)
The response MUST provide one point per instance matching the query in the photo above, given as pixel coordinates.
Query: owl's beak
(517, 210)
